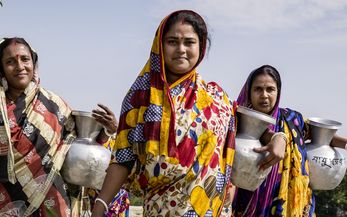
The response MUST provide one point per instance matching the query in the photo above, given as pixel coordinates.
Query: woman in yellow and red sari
(175, 141)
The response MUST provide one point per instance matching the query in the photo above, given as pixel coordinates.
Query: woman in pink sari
(286, 190)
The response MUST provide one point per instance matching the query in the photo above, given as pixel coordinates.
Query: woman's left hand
(276, 148)
(106, 117)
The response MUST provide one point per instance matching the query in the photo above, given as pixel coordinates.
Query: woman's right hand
(276, 148)
(106, 117)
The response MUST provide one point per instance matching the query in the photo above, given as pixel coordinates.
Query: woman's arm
(115, 177)
(266, 137)
(275, 145)
(339, 142)
(108, 120)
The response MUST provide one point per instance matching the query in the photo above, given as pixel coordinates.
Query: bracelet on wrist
(112, 135)
(103, 203)
(283, 135)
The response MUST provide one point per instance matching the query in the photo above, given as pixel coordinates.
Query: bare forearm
(266, 137)
(338, 141)
(115, 177)
(102, 137)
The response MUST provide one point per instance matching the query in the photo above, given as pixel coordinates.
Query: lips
(180, 58)
(22, 75)
(264, 104)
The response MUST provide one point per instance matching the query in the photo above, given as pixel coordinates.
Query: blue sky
(91, 51)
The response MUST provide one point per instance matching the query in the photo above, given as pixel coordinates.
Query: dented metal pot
(86, 161)
(251, 125)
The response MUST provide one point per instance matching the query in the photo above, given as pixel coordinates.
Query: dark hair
(197, 22)
(7, 41)
(266, 70)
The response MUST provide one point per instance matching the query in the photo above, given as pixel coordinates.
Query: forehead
(264, 80)
(181, 28)
(16, 49)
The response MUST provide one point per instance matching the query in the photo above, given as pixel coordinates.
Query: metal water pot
(86, 161)
(327, 164)
(251, 125)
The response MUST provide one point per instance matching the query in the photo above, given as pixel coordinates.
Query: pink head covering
(244, 98)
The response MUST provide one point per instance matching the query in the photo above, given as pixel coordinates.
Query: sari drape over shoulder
(285, 191)
(181, 137)
(35, 133)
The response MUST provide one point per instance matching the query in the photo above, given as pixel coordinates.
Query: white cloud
(262, 15)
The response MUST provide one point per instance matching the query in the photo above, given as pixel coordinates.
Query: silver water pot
(327, 164)
(87, 160)
(251, 125)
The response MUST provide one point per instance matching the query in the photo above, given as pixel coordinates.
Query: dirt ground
(135, 211)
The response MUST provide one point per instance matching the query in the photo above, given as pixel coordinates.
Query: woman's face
(264, 93)
(181, 49)
(18, 66)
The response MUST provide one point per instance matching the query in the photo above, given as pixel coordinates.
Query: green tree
(332, 203)
(135, 201)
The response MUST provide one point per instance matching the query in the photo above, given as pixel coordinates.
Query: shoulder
(290, 112)
(51, 95)
(294, 116)
(49, 98)
(216, 91)
(214, 87)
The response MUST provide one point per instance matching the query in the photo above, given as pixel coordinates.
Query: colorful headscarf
(244, 98)
(285, 191)
(181, 136)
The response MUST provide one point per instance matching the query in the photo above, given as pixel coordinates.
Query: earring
(4, 83)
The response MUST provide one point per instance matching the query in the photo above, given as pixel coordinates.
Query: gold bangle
(283, 135)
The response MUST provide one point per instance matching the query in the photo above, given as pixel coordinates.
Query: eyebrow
(261, 86)
(175, 37)
(18, 55)
(15, 57)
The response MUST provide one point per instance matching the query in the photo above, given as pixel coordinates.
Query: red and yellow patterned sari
(181, 137)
